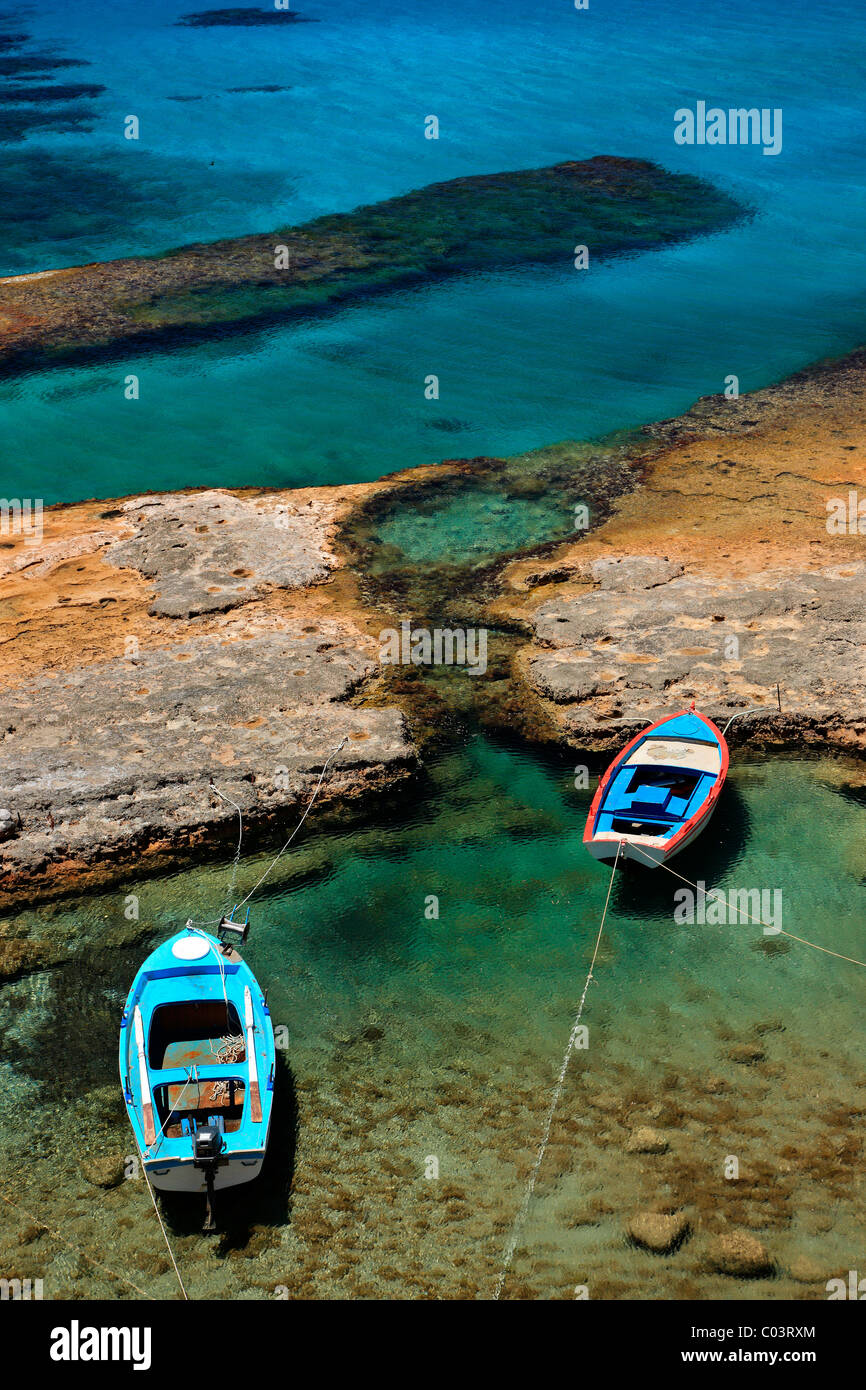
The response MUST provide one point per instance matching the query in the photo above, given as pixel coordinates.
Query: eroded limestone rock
(211, 551)
(660, 1232)
(123, 752)
(626, 654)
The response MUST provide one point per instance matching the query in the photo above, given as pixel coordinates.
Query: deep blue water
(523, 359)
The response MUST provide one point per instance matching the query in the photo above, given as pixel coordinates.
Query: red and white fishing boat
(660, 792)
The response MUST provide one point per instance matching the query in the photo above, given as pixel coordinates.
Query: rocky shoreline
(162, 650)
(191, 660)
(715, 580)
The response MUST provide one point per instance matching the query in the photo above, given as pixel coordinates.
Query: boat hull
(638, 849)
(197, 1065)
(183, 1176)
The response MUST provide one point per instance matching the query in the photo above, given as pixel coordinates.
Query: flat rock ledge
(208, 552)
(112, 762)
(650, 638)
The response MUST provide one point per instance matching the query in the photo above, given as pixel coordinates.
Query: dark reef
(243, 18)
(31, 64)
(265, 87)
(39, 95)
(29, 107)
(479, 223)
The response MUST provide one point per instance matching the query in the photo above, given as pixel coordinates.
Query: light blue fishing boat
(197, 1064)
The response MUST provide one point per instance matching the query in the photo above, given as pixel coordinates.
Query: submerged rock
(606, 1101)
(22, 956)
(741, 1255)
(660, 1232)
(646, 1141)
(240, 17)
(107, 1170)
(806, 1271)
(714, 1085)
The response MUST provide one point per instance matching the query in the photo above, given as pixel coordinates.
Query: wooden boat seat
(215, 1102)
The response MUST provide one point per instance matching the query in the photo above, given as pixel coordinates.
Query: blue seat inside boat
(648, 800)
(189, 1127)
(659, 797)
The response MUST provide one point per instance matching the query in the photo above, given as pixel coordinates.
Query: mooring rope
(237, 859)
(776, 931)
(164, 1233)
(55, 1235)
(192, 1079)
(219, 960)
(215, 921)
(517, 1229)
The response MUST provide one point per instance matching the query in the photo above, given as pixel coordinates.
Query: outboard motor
(207, 1147)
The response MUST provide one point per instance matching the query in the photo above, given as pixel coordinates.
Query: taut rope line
(215, 921)
(164, 1234)
(517, 1229)
(237, 859)
(16, 1206)
(777, 931)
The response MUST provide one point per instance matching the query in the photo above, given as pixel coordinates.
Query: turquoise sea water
(411, 1036)
(523, 359)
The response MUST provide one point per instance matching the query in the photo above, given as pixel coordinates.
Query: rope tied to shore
(215, 921)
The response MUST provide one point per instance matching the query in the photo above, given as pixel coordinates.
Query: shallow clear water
(523, 359)
(473, 528)
(411, 1038)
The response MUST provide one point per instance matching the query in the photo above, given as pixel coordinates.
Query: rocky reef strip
(479, 223)
(156, 643)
